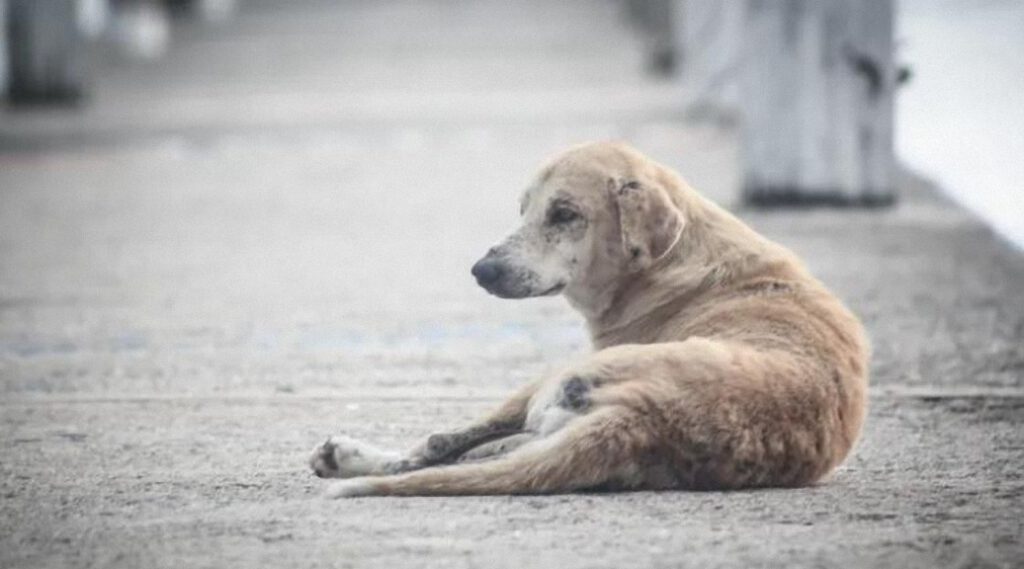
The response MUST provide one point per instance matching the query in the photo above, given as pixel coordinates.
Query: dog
(720, 362)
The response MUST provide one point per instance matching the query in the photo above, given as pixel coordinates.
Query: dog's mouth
(514, 292)
(553, 290)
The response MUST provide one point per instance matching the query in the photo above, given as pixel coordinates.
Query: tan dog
(720, 363)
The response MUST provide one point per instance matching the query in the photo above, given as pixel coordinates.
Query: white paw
(344, 457)
(351, 488)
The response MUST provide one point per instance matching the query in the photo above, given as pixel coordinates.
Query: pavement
(265, 238)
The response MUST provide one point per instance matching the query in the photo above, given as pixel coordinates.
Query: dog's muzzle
(506, 280)
(502, 278)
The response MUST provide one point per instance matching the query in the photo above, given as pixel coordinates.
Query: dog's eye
(562, 215)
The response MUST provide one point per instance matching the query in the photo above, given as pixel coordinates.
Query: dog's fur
(720, 361)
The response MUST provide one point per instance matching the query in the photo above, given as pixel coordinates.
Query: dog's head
(596, 213)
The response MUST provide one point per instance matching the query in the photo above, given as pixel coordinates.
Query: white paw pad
(345, 457)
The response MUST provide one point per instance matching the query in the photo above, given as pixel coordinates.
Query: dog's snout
(487, 271)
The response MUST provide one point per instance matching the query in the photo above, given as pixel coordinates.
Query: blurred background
(227, 217)
(248, 179)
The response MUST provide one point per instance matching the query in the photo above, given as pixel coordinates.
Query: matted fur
(719, 361)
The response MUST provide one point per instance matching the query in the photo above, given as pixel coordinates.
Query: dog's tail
(591, 452)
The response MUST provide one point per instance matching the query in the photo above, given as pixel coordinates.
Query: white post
(712, 47)
(816, 97)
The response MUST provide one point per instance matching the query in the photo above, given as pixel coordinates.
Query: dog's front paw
(351, 488)
(344, 457)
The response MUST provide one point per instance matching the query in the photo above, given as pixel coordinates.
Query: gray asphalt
(265, 239)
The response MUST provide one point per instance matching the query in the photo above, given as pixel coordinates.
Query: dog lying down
(719, 361)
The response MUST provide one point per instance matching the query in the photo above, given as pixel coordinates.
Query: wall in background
(960, 120)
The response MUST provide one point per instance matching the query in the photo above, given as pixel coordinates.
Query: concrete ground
(266, 238)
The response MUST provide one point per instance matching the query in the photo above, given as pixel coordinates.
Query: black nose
(487, 271)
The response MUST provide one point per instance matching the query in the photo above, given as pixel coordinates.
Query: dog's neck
(715, 251)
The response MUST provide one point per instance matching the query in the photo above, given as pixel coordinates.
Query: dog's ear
(651, 224)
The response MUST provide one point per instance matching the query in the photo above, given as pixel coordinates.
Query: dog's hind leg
(498, 447)
(345, 457)
(508, 419)
(598, 449)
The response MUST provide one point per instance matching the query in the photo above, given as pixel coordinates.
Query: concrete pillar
(658, 23)
(816, 95)
(711, 39)
(46, 63)
(209, 11)
(3, 49)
